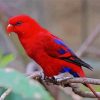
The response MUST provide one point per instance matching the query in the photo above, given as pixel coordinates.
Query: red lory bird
(49, 51)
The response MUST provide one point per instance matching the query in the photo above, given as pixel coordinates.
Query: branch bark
(73, 83)
(81, 80)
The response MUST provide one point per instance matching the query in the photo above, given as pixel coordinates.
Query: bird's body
(47, 50)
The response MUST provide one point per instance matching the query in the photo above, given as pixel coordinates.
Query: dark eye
(18, 23)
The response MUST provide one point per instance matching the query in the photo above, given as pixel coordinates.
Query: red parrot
(47, 50)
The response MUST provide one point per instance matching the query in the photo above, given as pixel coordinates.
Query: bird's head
(22, 24)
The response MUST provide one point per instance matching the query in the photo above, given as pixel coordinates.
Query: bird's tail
(92, 90)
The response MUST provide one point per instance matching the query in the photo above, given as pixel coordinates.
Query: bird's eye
(18, 23)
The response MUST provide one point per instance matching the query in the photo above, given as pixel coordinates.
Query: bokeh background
(77, 22)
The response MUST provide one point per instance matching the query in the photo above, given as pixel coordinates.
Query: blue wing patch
(60, 42)
(62, 51)
(65, 69)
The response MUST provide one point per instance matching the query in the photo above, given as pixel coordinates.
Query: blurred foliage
(5, 59)
(96, 88)
(22, 88)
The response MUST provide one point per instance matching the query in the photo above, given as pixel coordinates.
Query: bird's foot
(62, 77)
(60, 80)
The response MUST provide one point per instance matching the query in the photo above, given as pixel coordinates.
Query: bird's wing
(55, 47)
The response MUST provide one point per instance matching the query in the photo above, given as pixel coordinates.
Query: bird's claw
(63, 79)
(59, 80)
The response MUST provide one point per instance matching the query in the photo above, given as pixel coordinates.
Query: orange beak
(10, 28)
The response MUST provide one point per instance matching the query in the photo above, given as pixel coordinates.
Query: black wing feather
(77, 61)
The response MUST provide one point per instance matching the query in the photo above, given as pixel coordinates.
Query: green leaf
(6, 60)
(22, 88)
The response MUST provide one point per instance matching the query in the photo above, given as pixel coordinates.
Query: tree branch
(81, 80)
(71, 82)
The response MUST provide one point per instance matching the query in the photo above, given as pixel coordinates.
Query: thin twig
(5, 94)
(82, 80)
(88, 41)
(78, 91)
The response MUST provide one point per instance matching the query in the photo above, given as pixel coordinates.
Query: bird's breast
(31, 46)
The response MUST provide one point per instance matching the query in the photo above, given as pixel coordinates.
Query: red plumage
(46, 49)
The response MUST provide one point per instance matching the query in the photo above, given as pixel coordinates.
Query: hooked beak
(10, 28)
